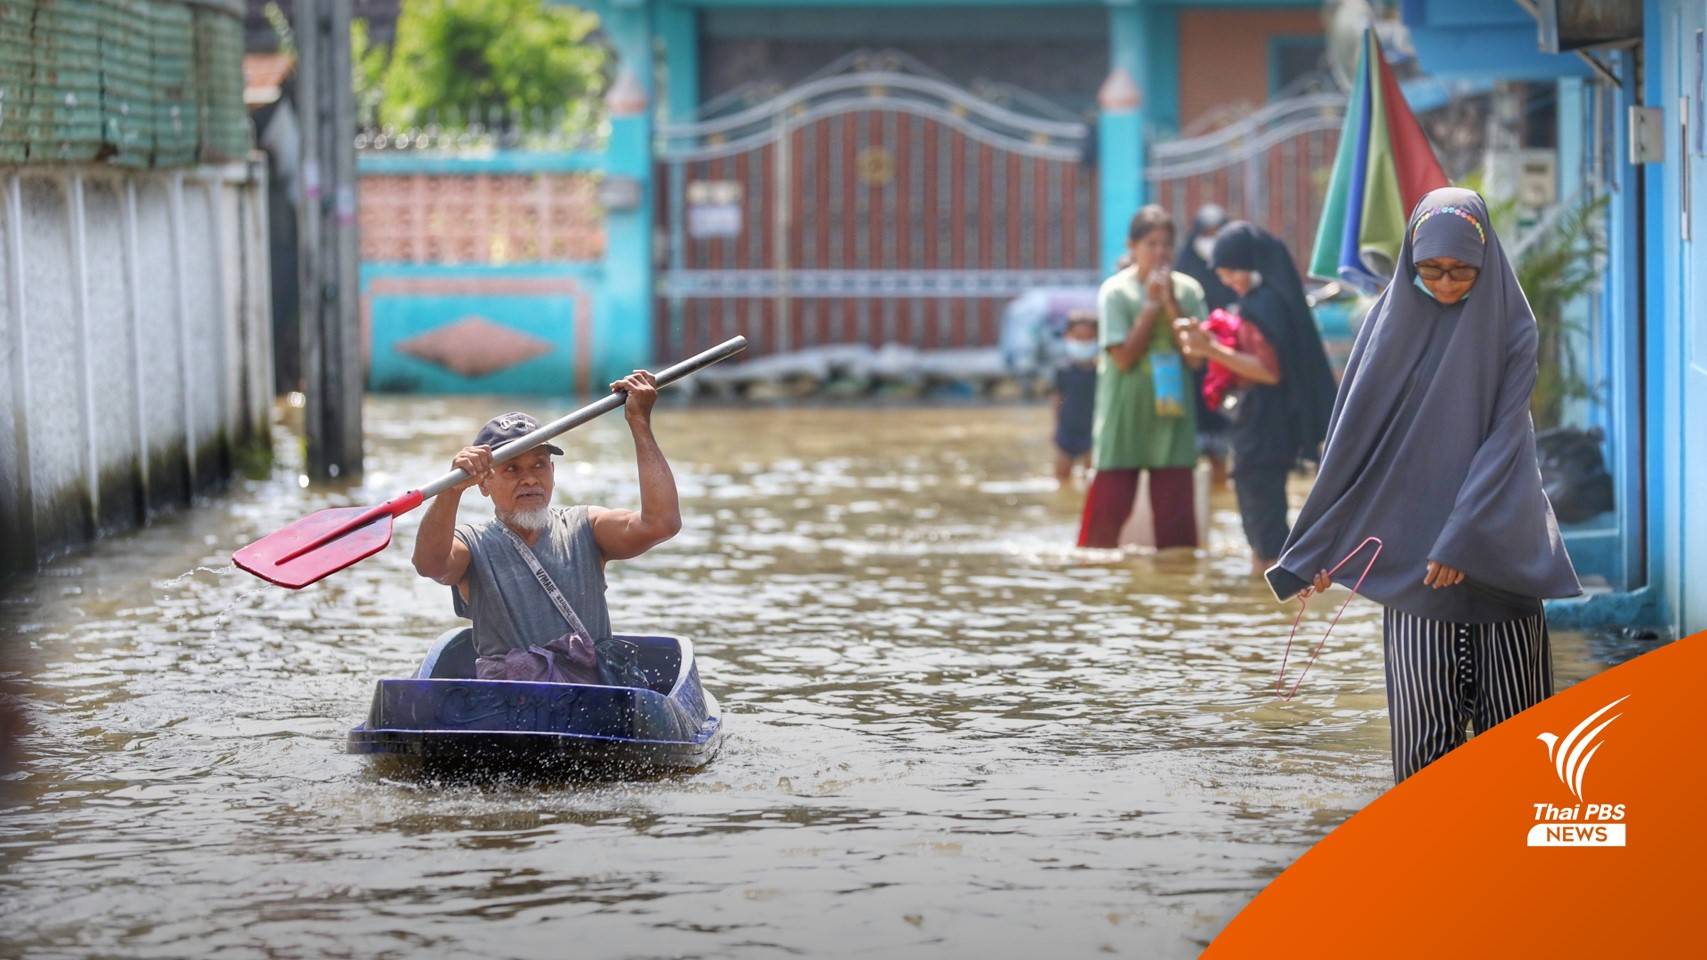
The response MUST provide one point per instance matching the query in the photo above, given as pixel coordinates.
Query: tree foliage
(468, 58)
(367, 68)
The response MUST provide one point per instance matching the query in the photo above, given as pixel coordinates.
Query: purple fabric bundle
(567, 659)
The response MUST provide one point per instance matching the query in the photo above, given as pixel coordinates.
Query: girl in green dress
(1145, 417)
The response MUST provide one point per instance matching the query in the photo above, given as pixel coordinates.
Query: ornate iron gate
(874, 207)
(1270, 168)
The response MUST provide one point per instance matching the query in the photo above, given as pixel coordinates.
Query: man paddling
(532, 579)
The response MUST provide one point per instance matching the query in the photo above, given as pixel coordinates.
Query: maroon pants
(1109, 502)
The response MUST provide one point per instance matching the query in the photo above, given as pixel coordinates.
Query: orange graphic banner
(1578, 828)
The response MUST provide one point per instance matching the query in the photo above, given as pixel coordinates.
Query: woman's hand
(1320, 585)
(1193, 342)
(1440, 575)
(1159, 287)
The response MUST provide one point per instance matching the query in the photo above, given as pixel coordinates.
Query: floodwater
(949, 733)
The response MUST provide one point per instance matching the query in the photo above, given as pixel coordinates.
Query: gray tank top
(509, 608)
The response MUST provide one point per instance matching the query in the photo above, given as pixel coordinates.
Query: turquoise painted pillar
(1120, 130)
(1572, 187)
(1623, 318)
(1662, 495)
(1160, 79)
(1126, 47)
(678, 31)
(1120, 162)
(622, 335)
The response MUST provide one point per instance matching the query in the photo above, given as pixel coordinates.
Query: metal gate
(870, 207)
(1270, 168)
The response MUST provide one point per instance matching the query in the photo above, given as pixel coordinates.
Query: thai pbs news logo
(1581, 824)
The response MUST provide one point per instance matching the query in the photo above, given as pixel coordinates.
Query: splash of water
(229, 568)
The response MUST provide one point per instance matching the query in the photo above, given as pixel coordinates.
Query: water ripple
(949, 731)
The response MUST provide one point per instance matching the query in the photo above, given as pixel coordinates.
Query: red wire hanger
(1304, 603)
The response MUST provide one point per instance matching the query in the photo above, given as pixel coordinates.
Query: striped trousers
(1442, 677)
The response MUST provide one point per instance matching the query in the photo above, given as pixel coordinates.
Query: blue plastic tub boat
(443, 715)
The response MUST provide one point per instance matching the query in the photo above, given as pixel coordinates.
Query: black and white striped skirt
(1443, 677)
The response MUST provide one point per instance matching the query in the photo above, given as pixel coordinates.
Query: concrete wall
(135, 345)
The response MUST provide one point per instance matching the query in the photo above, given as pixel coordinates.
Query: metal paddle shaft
(597, 408)
(330, 540)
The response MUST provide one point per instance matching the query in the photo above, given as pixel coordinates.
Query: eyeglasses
(1461, 274)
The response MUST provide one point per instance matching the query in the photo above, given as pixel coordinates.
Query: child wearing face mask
(1075, 396)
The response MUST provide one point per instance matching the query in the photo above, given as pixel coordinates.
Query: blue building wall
(1675, 50)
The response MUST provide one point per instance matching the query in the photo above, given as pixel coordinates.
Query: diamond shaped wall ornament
(474, 347)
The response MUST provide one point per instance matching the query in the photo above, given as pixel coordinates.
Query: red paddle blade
(262, 557)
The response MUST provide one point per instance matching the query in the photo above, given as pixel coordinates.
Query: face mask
(1081, 351)
(1256, 279)
(1204, 247)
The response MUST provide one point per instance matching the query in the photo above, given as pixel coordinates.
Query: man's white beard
(536, 519)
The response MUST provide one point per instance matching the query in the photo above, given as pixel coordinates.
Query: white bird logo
(1571, 755)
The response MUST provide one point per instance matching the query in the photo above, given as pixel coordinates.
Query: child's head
(1150, 238)
(1081, 325)
(1081, 337)
(1238, 249)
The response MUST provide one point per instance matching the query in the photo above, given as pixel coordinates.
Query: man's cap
(506, 427)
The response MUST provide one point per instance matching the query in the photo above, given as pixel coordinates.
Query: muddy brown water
(950, 734)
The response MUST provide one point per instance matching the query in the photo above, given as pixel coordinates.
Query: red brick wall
(1223, 55)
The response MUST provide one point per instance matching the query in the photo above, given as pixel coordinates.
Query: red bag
(1218, 380)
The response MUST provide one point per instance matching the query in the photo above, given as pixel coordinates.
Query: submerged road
(949, 733)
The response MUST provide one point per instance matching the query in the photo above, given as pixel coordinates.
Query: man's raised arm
(622, 534)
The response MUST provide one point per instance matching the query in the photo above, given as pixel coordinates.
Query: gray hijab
(1430, 445)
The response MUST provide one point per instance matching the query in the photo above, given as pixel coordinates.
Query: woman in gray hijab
(1430, 448)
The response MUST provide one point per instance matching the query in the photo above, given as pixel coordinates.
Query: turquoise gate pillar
(1120, 131)
(622, 339)
(1120, 160)
(1159, 61)
(678, 35)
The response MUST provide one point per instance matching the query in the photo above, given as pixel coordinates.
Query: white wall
(135, 344)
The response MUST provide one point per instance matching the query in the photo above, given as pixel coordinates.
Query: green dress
(1130, 434)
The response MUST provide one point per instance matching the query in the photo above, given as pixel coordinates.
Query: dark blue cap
(506, 427)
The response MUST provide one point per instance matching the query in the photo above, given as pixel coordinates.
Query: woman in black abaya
(1279, 414)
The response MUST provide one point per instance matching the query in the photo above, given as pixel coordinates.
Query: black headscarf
(1280, 310)
(1216, 294)
(1431, 447)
